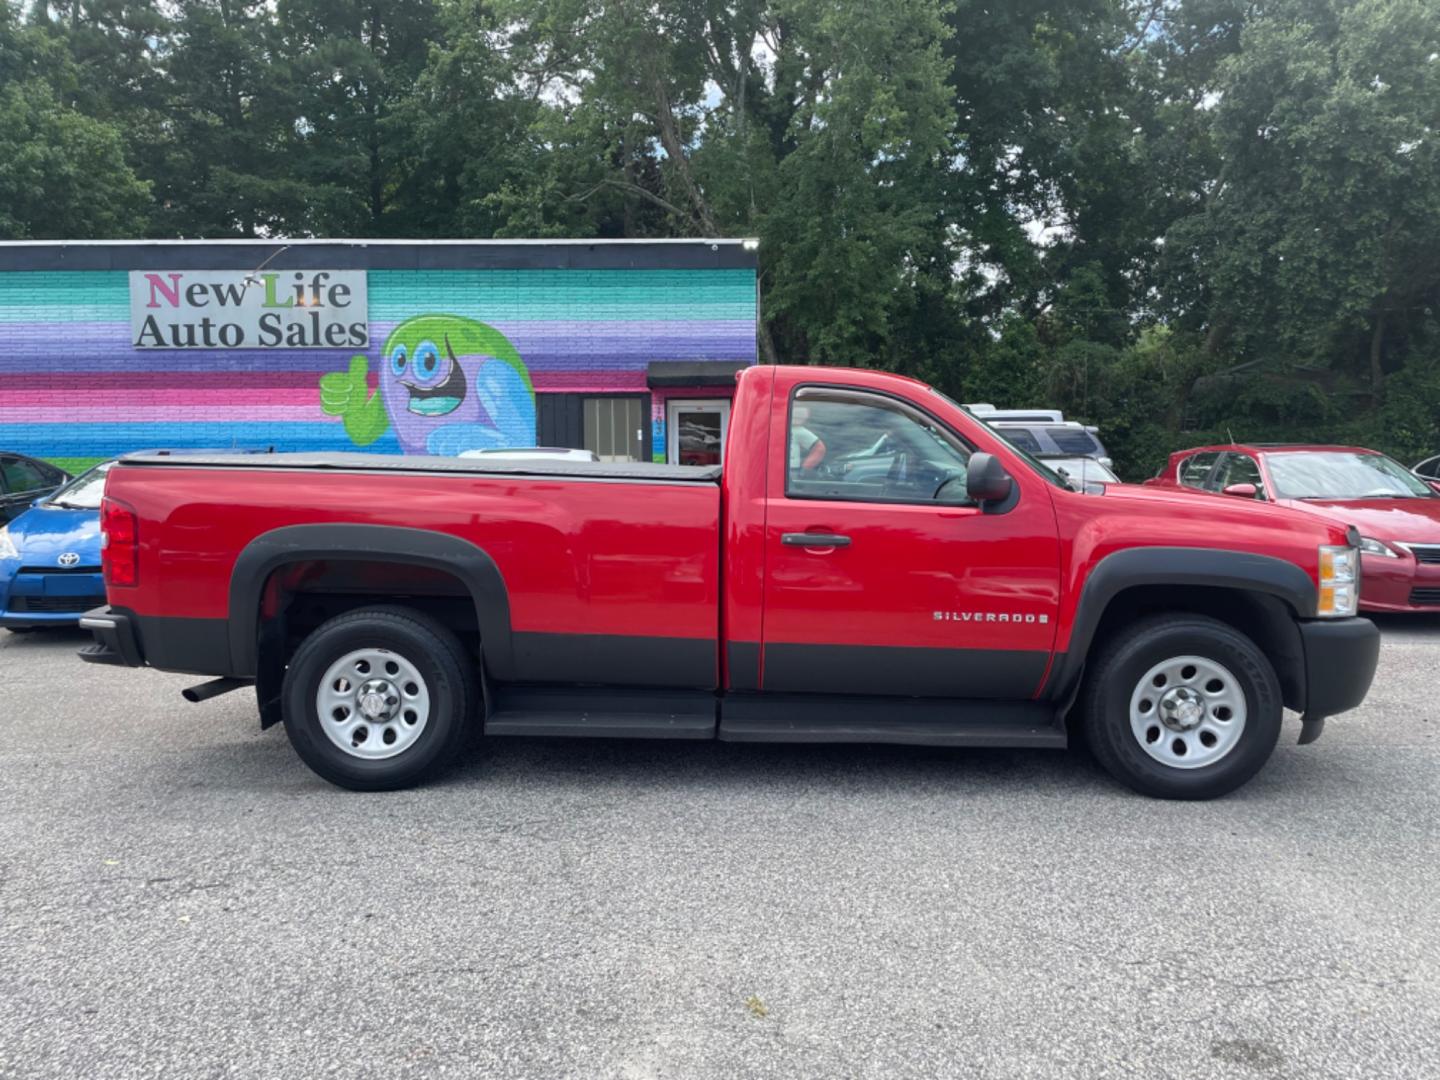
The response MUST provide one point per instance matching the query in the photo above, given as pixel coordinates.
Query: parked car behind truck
(385, 607)
(1397, 515)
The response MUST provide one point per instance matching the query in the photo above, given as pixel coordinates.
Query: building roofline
(315, 253)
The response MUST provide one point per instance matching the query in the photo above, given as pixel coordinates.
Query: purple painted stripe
(539, 356)
(113, 334)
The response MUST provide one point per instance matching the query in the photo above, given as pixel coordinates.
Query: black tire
(450, 679)
(1125, 659)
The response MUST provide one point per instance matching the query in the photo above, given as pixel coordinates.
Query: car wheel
(379, 699)
(1182, 707)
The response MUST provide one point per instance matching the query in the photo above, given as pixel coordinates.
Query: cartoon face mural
(448, 384)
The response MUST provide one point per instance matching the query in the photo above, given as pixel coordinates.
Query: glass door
(695, 431)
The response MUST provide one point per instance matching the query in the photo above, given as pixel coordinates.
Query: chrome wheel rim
(373, 703)
(1188, 712)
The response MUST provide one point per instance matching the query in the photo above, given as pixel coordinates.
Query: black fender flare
(468, 562)
(1207, 567)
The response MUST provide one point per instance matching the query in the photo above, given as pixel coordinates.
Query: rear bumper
(1340, 660)
(115, 640)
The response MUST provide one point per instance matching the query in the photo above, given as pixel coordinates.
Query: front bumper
(115, 640)
(33, 597)
(1399, 585)
(1340, 660)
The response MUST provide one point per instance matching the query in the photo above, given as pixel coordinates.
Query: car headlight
(7, 546)
(1370, 546)
(1339, 582)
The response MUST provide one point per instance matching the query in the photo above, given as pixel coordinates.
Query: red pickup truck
(872, 565)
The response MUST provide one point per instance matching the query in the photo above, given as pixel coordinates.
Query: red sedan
(1397, 514)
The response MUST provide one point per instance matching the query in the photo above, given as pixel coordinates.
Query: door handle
(814, 540)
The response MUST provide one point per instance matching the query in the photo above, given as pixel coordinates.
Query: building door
(695, 431)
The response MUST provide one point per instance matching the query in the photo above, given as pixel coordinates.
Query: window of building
(615, 427)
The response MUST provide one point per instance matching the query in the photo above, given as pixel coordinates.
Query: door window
(1429, 469)
(867, 447)
(696, 431)
(1238, 469)
(1195, 469)
(21, 476)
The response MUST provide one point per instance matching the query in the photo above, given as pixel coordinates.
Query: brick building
(627, 348)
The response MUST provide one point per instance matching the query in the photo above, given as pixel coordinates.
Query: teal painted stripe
(64, 296)
(628, 295)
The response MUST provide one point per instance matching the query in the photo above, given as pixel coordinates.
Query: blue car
(50, 557)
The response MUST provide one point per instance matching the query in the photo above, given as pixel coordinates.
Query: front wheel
(379, 698)
(1182, 707)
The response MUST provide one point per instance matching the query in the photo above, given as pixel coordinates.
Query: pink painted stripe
(239, 411)
(599, 382)
(123, 401)
(248, 382)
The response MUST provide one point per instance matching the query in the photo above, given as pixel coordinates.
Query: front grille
(59, 570)
(54, 605)
(1425, 596)
(1425, 553)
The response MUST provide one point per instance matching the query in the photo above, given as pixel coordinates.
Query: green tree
(1316, 244)
(62, 174)
(347, 69)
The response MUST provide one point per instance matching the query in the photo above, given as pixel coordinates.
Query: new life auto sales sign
(233, 309)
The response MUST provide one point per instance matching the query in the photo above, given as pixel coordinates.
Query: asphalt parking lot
(180, 897)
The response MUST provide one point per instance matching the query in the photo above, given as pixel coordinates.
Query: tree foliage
(1175, 218)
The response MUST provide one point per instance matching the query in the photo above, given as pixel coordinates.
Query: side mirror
(986, 479)
(1244, 491)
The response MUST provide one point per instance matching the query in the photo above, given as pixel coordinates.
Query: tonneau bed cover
(356, 462)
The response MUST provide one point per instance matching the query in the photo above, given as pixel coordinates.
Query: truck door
(876, 581)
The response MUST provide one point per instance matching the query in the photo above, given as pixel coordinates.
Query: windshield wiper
(68, 505)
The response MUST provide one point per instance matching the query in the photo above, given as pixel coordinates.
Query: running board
(603, 714)
(814, 718)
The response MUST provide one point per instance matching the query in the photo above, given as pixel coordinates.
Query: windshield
(1338, 474)
(1049, 475)
(82, 493)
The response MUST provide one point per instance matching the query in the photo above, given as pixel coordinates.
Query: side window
(1429, 469)
(22, 476)
(1024, 438)
(859, 446)
(1195, 469)
(1239, 469)
(1075, 441)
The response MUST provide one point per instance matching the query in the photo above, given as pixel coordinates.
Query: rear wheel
(379, 698)
(1182, 707)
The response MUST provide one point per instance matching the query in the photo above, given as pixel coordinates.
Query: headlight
(1339, 582)
(1370, 546)
(7, 546)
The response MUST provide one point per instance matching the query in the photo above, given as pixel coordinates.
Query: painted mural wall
(453, 362)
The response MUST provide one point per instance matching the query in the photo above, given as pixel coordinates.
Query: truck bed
(389, 463)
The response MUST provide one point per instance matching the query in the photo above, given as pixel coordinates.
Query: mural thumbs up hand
(347, 394)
